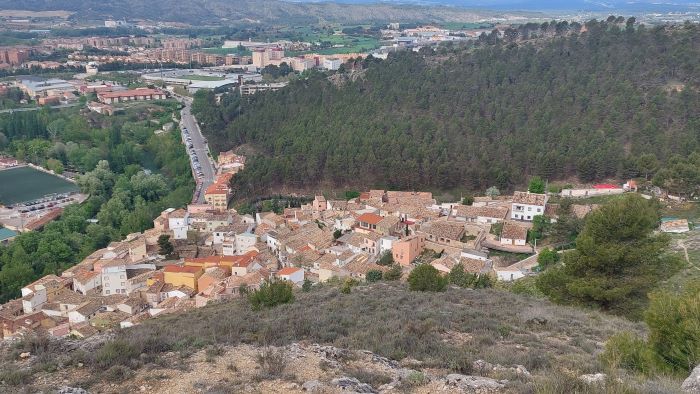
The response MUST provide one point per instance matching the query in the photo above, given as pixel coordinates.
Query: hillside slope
(224, 347)
(271, 11)
(586, 105)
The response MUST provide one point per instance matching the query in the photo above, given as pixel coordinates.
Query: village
(208, 253)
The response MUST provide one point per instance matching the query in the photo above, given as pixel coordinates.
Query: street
(199, 148)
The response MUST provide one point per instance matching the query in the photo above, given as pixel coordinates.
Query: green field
(25, 184)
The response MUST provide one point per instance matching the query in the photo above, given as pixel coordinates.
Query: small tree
(394, 273)
(165, 246)
(306, 286)
(536, 185)
(468, 200)
(271, 294)
(547, 258)
(387, 259)
(373, 276)
(348, 285)
(337, 234)
(425, 277)
(493, 192)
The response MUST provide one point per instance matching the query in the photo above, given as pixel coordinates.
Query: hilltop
(227, 347)
(257, 11)
(586, 104)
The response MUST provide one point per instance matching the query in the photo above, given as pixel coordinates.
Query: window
(529, 217)
(106, 291)
(539, 210)
(122, 283)
(121, 276)
(529, 208)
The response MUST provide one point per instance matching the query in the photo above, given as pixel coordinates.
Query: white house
(84, 313)
(474, 254)
(245, 242)
(177, 222)
(33, 299)
(86, 281)
(124, 279)
(527, 205)
(513, 234)
(291, 274)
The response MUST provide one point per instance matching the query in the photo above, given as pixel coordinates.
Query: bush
(394, 273)
(272, 363)
(16, 377)
(459, 277)
(426, 278)
(117, 373)
(117, 352)
(348, 285)
(271, 294)
(306, 286)
(626, 350)
(546, 258)
(387, 259)
(468, 200)
(374, 276)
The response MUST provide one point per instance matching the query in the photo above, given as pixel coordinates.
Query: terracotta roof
(529, 198)
(443, 229)
(179, 269)
(513, 230)
(288, 271)
(473, 212)
(370, 218)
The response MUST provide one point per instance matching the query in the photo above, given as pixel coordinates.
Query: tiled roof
(513, 230)
(529, 198)
(370, 218)
(443, 229)
(473, 212)
(179, 269)
(288, 271)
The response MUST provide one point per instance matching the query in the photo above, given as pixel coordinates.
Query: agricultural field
(25, 184)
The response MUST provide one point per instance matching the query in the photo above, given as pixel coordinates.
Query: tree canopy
(617, 259)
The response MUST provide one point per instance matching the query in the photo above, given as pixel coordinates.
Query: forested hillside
(611, 101)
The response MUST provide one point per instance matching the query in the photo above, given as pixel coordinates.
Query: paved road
(199, 146)
(4, 111)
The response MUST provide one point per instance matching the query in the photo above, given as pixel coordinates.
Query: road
(199, 147)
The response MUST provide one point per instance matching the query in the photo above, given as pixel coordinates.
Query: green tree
(394, 273)
(271, 294)
(537, 185)
(373, 276)
(306, 286)
(468, 200)
(617, 259)
(547, 258)
(165, 246)
(425, 277)
(387, 259)
(337, 234)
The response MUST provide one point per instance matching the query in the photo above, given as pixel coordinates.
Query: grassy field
(25, 184)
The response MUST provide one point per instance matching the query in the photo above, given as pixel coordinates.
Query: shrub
(547, 258)
(16, 377)
(387, 259)
(272, 362)
(626, 350)
(394, 273)
(459, 277)
(426, 278)
(374, 276)
(306, 286)
(468, 200)
(271, 294)
(117, 352)
(373, 378)
(348, 285)
(117, 373)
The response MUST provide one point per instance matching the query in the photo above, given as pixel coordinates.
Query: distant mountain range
(265, 11)
(548, 5)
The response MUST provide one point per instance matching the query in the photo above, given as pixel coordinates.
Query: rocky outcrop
(352, 385)
(474, 384)
(692, 383)
(484, 368)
